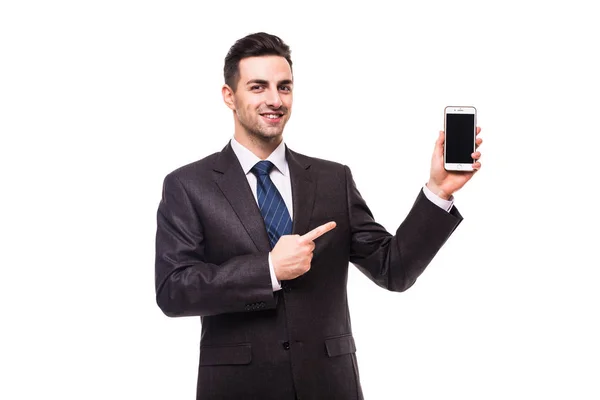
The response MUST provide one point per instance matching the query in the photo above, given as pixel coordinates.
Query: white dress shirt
(280, 175)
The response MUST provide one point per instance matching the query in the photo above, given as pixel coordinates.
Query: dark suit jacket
(212, 261)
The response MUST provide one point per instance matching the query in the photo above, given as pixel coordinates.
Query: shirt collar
(248, 159)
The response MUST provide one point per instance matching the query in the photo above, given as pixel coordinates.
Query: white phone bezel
(460, 110)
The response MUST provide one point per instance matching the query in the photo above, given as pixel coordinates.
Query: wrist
(273, 265)
(438, 191)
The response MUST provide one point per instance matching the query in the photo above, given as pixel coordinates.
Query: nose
(273, 100)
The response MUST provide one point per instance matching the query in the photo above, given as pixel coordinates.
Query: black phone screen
(460, 138)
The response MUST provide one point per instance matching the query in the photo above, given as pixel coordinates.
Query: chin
(269, 133)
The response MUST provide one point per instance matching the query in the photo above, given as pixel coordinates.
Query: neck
(260, 146)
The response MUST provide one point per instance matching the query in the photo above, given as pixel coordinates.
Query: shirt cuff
(274, 282)
(438, 201)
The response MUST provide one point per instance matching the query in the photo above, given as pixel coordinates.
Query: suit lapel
(303, 191)
(233, 183)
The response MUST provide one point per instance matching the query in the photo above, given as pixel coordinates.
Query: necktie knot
(262, 168)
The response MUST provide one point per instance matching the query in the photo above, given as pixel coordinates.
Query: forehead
(268, 68)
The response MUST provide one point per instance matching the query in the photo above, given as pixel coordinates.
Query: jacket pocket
(340, 345)
(237, 354)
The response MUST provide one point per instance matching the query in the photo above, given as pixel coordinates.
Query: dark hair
(254, 45)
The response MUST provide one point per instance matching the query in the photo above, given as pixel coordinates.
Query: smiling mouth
(272, 115)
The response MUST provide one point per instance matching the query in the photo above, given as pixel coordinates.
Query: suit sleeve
(186, 285)
(394, 262)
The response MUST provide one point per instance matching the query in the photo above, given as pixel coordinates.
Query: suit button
(286, 345)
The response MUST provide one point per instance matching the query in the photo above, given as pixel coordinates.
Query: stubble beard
(263, 134)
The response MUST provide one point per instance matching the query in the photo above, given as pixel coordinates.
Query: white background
(100, 100)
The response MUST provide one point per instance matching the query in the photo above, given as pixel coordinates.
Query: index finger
(318, 231)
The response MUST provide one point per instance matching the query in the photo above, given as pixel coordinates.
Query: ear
(228, 97)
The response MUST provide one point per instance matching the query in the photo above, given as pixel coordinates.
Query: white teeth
(271, 116)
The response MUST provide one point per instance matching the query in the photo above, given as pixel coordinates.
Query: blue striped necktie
(271, 204)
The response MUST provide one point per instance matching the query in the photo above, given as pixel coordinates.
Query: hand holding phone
(460, 126)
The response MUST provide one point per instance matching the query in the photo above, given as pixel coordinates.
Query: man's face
(263, 97)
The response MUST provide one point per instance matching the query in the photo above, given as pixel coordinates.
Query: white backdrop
(100, 100)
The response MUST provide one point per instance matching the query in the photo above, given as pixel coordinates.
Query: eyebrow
(264, 82)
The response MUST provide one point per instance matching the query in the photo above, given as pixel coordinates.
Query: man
(256, 240)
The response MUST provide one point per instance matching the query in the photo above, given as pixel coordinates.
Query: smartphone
(460, 124)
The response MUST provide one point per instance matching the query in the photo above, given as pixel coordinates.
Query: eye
(255, 88)
(285, 88)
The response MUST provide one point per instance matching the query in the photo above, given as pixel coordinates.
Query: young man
(257, 239)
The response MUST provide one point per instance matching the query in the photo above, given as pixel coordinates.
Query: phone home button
(459, 166)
